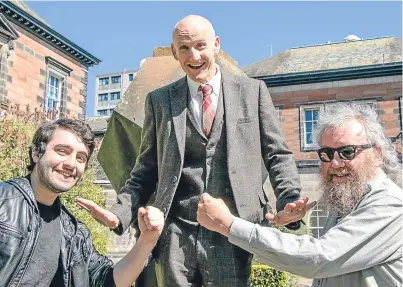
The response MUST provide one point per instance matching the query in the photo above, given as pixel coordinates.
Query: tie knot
(206, 89)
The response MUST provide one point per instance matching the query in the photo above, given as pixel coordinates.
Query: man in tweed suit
(207, 132)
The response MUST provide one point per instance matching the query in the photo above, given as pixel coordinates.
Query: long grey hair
(338, 114)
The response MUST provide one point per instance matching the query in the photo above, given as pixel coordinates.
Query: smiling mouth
(64, 174)
(340, 175)
(195, 67)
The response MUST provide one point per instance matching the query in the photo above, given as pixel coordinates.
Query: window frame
(303, 143)
(103, 95)
(60, 71)
(101, 114)
(116, 77)
(314, 215)
(114, 93)
(101, 81)
(60, 78)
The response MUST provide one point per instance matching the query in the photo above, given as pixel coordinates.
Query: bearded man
(361, 242)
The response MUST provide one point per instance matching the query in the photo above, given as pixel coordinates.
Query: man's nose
(195, 54)
(70, 162)
(337, 161)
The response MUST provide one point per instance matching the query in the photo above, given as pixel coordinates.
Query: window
(53, 93)
(116, 80)
(310, 121)
(278, 111)
(102, 97)
(103, 81)
(115, 96)
(317, 220)
(55, 83)
(102, 112)
(130, 77)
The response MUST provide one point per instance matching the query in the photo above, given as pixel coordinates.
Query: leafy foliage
(265, 276)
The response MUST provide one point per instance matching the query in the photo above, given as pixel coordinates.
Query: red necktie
(208, 109)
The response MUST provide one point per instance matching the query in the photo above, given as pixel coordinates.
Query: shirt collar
(215, 82)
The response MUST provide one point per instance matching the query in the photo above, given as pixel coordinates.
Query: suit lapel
(232, 94)
(178, 99)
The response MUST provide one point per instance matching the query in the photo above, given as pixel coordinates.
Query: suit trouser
(194, 256)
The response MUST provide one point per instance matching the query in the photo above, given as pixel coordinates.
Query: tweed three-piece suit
(177, 163)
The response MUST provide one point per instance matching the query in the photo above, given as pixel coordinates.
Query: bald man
(207, 132)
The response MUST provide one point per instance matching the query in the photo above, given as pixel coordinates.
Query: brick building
(304, 80)
(40, 67)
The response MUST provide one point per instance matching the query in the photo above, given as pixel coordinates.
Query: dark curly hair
(46, 130)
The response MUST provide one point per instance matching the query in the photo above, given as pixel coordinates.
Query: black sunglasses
(347, 152)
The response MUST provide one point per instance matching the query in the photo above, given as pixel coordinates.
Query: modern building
(40, 68)
(109, 89)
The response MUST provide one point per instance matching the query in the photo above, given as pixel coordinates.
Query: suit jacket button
(175, 179)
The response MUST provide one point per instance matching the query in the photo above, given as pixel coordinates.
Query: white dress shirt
(196, 96)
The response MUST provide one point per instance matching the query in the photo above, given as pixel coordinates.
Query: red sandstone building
(40, 67)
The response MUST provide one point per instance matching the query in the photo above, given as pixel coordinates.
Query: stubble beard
(46, 180)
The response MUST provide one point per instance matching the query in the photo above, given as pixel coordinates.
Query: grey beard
(339, 199)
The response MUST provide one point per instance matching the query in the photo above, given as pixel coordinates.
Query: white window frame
(316, 214)
(53, 73)
(303, 135)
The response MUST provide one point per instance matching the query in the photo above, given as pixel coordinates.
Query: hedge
(265, 276)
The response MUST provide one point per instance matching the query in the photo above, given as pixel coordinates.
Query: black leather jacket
(19, 229)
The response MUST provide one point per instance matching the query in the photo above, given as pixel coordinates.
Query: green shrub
(16, 133)
(265, 276)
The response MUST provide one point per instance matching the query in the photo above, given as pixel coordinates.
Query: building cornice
(23, 19)
(360, 72)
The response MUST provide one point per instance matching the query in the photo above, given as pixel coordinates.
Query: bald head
(194, 46)
(193, 23)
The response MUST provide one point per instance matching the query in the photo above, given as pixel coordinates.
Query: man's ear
(35, 155)
(174, 52)
(217, 45)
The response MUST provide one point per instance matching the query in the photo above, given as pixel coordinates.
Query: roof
(154, 73)
(97, 124)
(347, 54)
(27, 9)
(21, 15)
